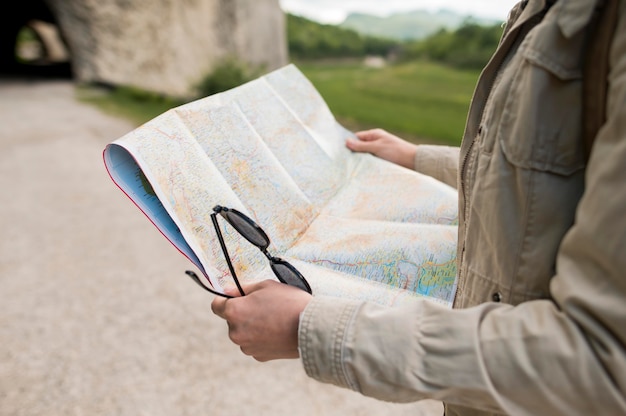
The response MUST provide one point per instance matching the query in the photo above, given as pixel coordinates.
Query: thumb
(231, 290)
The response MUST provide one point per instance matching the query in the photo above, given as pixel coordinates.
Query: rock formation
(165, 46)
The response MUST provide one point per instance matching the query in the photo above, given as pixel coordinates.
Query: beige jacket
(539, 324)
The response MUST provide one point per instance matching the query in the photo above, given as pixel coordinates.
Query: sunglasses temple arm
(225, 252)
(196, 279)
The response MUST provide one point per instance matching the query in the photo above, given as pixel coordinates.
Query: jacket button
(497, 297)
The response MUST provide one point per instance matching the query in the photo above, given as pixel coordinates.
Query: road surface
(96, 314)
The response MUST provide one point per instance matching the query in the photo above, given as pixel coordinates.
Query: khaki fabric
(440, 162)
(539, 324)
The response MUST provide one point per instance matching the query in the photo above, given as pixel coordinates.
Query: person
(538, 325)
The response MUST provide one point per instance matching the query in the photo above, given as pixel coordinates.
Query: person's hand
(384, 145)
(264, 323)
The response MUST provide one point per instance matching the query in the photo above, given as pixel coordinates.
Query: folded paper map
(354, 225)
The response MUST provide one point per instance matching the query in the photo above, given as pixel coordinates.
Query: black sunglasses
(244, 225)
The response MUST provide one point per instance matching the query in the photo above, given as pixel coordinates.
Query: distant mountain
(411, 25)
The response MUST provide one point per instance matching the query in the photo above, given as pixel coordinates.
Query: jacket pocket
(541, 126)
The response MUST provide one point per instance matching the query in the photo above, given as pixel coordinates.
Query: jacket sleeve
(562, 356)
(440, 162)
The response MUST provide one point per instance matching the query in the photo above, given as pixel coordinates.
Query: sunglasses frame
(225, 213)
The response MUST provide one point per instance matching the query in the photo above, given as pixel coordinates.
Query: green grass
(422, 102)
(131, 104)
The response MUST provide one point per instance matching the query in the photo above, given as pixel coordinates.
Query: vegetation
(423, 94)
(138, 106)
(419, 101)
(311, 40)
(230, 73)
(413, 25)
(470, 46)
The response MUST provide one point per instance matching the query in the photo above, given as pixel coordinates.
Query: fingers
(369, 141)
(355, 145)
(364, 146)
(264, 323)
(384, 145)
(218, 305)
(366, 140)
(369, 135)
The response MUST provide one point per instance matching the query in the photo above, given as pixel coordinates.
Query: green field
(422, 102)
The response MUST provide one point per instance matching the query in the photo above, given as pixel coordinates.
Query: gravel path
(96, 315)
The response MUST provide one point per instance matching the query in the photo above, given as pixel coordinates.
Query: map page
(354, 225)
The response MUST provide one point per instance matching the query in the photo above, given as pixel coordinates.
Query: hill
(413, 25)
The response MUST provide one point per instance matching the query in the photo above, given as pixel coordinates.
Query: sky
(335, 11)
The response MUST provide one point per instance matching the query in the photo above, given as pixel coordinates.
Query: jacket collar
(571, 15)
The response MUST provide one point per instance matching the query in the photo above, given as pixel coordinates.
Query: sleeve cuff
(321, 351)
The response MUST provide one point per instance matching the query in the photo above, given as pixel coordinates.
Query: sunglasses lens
(247, 230)
(288, 275)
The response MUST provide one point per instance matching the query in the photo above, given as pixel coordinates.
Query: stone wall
(167, 46)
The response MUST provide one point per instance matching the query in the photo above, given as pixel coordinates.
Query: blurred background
(406, 66)
(97, 316)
